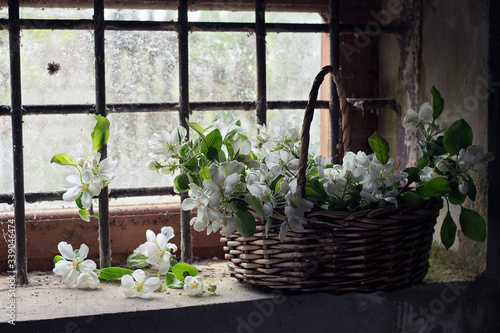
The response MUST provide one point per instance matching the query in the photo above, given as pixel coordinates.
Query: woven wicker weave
(365, 251)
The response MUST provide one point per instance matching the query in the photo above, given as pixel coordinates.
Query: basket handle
(308, 117)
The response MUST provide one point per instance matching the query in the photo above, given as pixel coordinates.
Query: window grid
(183, 107)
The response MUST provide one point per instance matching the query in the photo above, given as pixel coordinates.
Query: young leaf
(410, 197)
(472, 191)
(63, 159)
(380, 147)
(437, 103)
(455, 196)
(181, 183)
(137, 260)
(448, 231)
(197, 128)
(436, 187)
(269, 223)
(434, 149)
(458, 136)
(412, 174)
(245, 223)
(256, 205)
(84, 214)
(111, 273)
(173, 282)
(182, 270)
(423, 161)
(205, 173)
(213, 139)
(473, 225)
(100, 135)
(58, 258)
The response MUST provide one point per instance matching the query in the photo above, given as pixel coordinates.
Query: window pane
(226, 117)
(6, 176)
(73, 83)
(140, 14)
(220, 16)
(288, 17)
(222, 66)
(5, 72)
(141, 66)
(55, 13)
(293, 60)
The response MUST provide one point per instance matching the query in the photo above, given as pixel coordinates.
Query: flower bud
(151, 165)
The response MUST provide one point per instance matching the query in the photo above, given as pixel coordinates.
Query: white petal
(70, 278)
(87, 266)
(94, 189)
(73, 180)
(62, 267)
(152, 284)
(130, 292)
(83, 252)
(188, 204)
(150, 236)
(72, 193)
(168, 232)
(108, 163)
(87, 176)
(66, 250)
(161, 240)
(139, 275)
(86, 200)
(144, 294)
(127, 281)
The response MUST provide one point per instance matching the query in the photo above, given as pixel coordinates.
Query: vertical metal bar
(335, 117)
(17, 141)
(186, 242)
(260, 38)
(100, 106)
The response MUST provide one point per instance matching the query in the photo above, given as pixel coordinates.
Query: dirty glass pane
(4, 13)
(6, 180)
(222, 66)
(55, 13)
(5, 65)
(140, 14)
(226, 117)
(72, 82)
(293, 60)
(220, 16)
(129, 135)
(141, 66)
(288, 17)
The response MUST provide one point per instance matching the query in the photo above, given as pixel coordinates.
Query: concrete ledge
(46, 305)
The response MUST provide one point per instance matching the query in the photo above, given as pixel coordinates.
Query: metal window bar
(184, 107)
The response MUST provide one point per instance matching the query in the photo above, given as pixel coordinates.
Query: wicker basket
(365, 251)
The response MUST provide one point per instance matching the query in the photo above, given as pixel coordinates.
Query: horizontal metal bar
(358, 103)
(8, 198)
(371, 28)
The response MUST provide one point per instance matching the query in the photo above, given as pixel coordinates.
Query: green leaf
(173, 282)
(245, 223)
(256, 205)
(458, 136)
(437, 103)
(213, 139)
(448, 231)
(181, 183)
(434, 149)
(137, 260)
(410, 197)
(58, 258)
(269, 223)
(380, 147)
(100, 135)
(182, 270)
(192, 164)
(173, 262)
(63, 159)
(472, 191)
(473, 225)
(436, 187)
(455, 196)
(197, 128)
(205, 173)
(212, 154)
(423, 162)
(111, 273)
(84, 214)
(318, 187)
(412, 174)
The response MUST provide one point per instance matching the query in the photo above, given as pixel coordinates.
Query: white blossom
(194, 285)
(136, 285)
